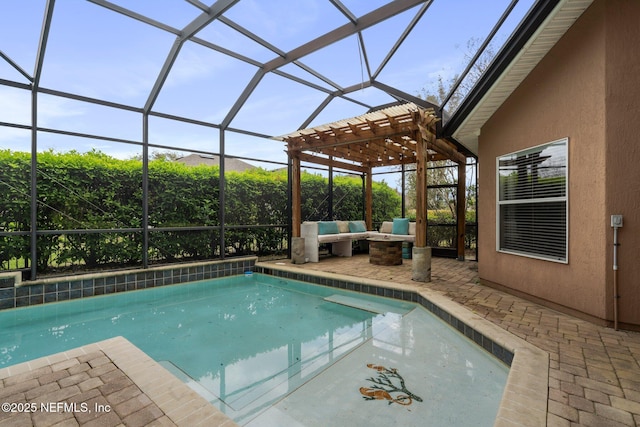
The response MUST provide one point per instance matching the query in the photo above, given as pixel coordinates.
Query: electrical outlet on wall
(616, 221)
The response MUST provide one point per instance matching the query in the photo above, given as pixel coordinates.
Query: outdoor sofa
(341, 235)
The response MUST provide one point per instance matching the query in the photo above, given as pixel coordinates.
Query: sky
(97, 53)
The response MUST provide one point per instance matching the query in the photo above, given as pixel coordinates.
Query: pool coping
(179, 403)
(15, 293)
(524, 401)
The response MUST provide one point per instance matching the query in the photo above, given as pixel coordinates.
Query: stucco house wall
(582, 90)
(622, 92)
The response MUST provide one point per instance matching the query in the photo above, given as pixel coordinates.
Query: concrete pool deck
(593, 371)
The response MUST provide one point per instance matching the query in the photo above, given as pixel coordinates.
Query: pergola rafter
(383, 138)
(396, 135)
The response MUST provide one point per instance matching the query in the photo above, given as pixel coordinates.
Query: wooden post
(369, 200)
(421, 192)
(296, 197)
(461, 208)
(421, 254)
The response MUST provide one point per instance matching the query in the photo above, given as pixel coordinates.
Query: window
(532, 202)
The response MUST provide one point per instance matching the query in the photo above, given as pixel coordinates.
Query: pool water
(268, 351)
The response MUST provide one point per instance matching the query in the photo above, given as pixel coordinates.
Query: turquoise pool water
(272, 352)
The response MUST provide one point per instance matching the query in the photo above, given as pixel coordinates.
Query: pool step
(362, 304)
(190, 382)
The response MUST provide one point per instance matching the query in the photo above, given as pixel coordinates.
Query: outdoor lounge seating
(341, 235)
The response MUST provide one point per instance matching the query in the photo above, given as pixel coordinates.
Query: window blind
(532, 201)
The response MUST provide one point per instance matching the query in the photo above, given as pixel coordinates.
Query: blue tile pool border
(14, 293)
(486, 343)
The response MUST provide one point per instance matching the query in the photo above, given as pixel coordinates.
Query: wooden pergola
(397, 135)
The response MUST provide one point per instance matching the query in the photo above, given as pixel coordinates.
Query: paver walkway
(108, 383)
(594, 372)
(85, 390)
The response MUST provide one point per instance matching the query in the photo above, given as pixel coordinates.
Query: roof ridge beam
(381, 14)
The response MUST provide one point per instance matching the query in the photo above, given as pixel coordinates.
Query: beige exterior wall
(623, 147)
(586, 89)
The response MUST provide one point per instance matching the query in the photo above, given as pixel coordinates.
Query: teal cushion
(357, 227)
(328, 227)
(400, 226)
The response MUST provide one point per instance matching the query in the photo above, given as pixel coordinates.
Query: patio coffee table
(385, 251)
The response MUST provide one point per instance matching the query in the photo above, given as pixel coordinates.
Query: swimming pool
(269, 351)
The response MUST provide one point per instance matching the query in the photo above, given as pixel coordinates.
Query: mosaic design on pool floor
(388, 385)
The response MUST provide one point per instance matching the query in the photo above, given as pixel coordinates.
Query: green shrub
(93, 191)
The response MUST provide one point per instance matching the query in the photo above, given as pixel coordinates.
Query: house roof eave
(546, 23)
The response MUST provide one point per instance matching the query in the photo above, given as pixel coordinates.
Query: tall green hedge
(93, 191)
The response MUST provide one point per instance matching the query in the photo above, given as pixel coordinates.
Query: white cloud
(15, 108)
(280, 21)
(53, 108)
(15, 139)
(126, 83)
(15, 105)
(191, 65)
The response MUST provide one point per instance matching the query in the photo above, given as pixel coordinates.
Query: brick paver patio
(594, 372)
(109, 383)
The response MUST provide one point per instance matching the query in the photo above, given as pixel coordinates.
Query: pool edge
(524, 401)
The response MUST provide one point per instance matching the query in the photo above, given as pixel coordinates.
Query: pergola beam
(310, 158)
(383, 138)
(326, 140)
(387, 138)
